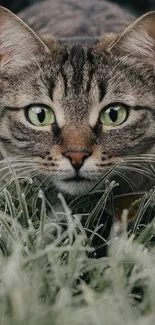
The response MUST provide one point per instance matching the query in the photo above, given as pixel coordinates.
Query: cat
(72, 18)
(80, 98)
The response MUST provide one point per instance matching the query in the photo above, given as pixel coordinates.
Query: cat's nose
(77, 158)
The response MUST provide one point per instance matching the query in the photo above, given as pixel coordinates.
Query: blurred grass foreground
(49, 273)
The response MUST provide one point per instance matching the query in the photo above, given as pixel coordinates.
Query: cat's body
(77, 106)
(70, 18)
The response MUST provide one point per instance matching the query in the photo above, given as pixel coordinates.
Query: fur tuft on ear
(19, 44)
(138, 39)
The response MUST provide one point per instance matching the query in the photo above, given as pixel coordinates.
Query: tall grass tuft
(48, 271)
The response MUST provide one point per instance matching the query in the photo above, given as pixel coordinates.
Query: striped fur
(77, 78)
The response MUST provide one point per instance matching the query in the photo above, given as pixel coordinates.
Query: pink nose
(77, 157)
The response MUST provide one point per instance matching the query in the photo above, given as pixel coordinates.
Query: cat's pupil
(113, 115)
(41, 115)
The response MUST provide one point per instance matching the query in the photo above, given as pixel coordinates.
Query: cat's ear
(138, 39)
(19, 44)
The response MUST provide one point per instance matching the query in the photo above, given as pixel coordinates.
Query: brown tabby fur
(86, 18)
(78, 77)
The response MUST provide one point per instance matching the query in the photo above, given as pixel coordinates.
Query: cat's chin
(74, 188)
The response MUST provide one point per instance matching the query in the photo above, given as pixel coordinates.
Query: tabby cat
(77, 100)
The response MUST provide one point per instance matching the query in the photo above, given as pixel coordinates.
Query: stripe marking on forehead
(58, 94)
(94, 110)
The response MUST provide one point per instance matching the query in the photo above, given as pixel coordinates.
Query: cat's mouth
(74, 185)
(76, 178)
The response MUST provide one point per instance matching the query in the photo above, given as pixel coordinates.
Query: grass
(48, 270)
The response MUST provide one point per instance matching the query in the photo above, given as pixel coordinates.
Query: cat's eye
(113, 115)
(40, 115)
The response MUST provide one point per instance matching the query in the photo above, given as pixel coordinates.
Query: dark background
(136, 6)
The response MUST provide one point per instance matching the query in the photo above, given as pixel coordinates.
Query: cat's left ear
(19, 45)
(138, 39)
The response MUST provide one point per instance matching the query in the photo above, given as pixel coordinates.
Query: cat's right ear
(19, 45)
(138, 40)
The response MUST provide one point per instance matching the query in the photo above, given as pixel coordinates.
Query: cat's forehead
(76, 57)
(76, 77)
(77, 66)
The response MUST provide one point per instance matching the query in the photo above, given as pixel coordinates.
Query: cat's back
(67, 18)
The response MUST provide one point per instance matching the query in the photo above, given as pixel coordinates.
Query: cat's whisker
(144, 157)
(13, 160)
(24, 170)
(42, 181)
(28, 173)
(11, 177)
(126, 179)
(148, 170)
(139, 171)
(15, 166)
(34, 175)
(49, 182)
(22, 164)
(107, 172)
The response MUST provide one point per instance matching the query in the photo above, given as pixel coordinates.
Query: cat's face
(75, 110)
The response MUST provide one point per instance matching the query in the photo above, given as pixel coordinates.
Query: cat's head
(76, 109)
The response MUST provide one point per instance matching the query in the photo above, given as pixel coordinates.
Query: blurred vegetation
(48, 271)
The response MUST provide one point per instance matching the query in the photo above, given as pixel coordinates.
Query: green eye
(40, 115)
(114, 115)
